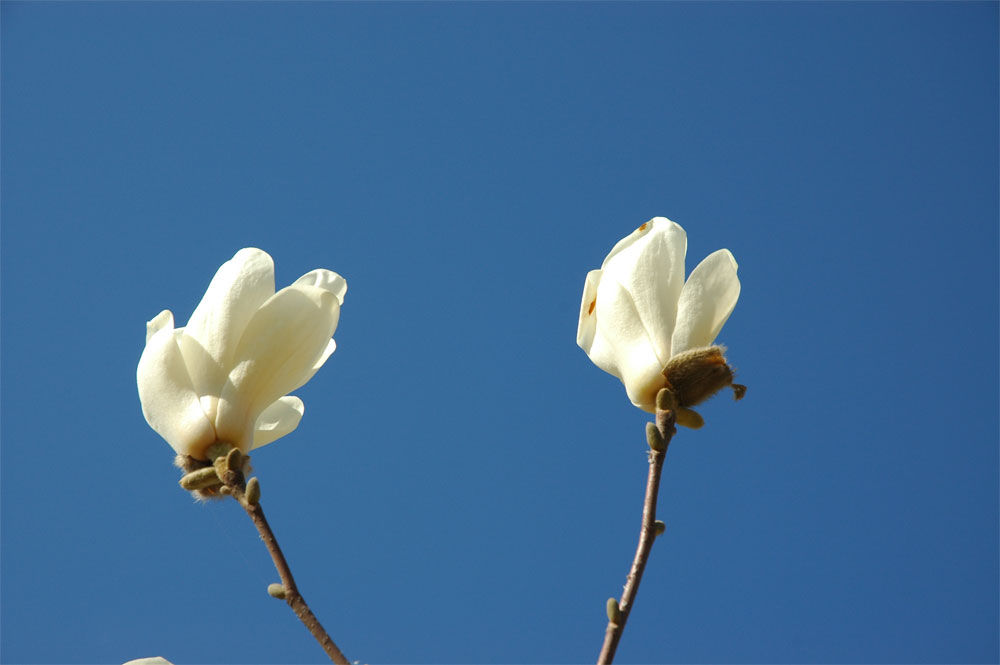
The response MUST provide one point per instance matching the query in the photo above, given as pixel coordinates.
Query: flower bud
(614, 612)
(653, 437)
(698, 374)
(253, 492)
(200, 479)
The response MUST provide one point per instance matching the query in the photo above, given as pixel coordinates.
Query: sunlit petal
(327, 280)
(281, 344)
(707, 300)
(210, 338)
(649, 265)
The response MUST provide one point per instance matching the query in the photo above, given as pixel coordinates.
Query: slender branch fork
(292, 595)
(665, 420)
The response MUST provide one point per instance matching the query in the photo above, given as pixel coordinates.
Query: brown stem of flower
(665, 421)
(292, 595)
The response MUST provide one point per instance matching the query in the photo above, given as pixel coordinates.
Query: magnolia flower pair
(641, 322)
(226, 375)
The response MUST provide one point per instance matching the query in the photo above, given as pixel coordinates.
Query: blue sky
(466, 486)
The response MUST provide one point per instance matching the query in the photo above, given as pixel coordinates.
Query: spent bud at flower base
(643, 322)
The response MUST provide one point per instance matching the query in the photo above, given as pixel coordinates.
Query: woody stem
(665, 420)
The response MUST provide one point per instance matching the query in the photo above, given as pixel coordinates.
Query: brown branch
(659, 439)
(291, 591)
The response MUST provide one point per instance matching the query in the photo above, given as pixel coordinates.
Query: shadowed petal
(277, 420)
(169, 400)
(622, 346)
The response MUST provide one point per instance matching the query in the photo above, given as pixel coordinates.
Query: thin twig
(292, 595)
(665, 420)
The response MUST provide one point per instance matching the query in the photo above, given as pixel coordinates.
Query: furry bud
(689, 418)
(200, 479)
(698, 374)
(614, 612)
(276, 590)
(253, 491)
(653, 437)
(665, 400)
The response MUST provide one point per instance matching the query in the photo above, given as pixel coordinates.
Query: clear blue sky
(466, 485)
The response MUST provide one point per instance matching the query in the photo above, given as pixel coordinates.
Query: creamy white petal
(169, 399)
(325, 279)
(621, 344)
(161, 320)
(707, 300)
(320, 361)
(210, 338)
(649, 264)
(281, 344)
(149, 661)
(277, 420)
(587, 327)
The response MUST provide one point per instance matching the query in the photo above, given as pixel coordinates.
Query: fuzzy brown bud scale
(696, 375)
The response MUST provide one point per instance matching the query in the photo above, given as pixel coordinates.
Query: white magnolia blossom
(149, 661)
(638, 312)
(225, 376)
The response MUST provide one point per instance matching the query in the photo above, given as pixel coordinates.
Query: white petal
(169, 400)
(149, 661)
(158, 322)
(331, 346)
(707, 300)
(281, 344)
(277, 420)
(649, 264)
(210, 338)
(327, 280)
(621, 345)
(587, 327)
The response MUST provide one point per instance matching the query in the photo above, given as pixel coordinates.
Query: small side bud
(659, 528)
(666, 400)
(253, 491)
(234, 460)
(653, 437)
(200, 479)
(276, 590)
(689, 418)
(614, 612)
(739, 390)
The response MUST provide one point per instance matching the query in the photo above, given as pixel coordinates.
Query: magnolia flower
(641, 322)
(225, 376)
(149, 661)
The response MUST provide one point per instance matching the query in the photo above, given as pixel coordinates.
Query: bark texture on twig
(665, 421)
(292, 596)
